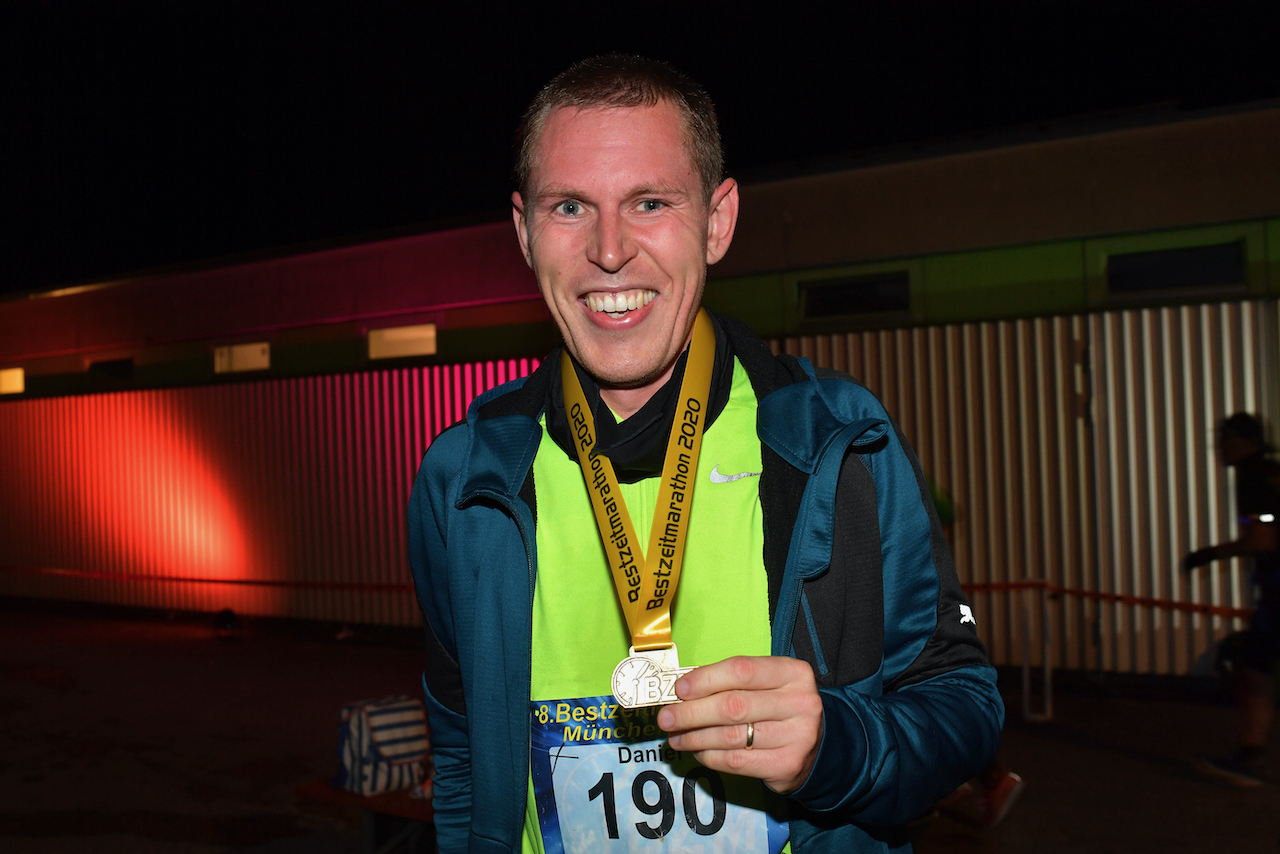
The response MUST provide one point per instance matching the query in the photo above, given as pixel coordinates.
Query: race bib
(604, 779)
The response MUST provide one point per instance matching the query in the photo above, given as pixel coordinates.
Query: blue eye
(650, 205)
(569, 208)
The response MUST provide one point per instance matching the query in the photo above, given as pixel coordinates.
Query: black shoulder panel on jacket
(954, 643)
(846, 603)
(781, 488)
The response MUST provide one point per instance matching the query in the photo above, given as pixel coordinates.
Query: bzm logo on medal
(640, 681)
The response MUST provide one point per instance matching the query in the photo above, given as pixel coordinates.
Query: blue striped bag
(383, 745)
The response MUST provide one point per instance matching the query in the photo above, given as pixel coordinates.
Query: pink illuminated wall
(282, 497)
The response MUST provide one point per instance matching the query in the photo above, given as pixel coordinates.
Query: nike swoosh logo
(716, 477)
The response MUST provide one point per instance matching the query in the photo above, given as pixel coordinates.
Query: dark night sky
(143, 135)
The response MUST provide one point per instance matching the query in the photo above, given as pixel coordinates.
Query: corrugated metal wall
(1164, 379)
(288, 497)
(283, 497)
(1000, 416)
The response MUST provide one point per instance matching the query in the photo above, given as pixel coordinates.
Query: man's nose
(611, 244)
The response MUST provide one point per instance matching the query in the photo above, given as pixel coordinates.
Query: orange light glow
(282, 497)
(146, 489)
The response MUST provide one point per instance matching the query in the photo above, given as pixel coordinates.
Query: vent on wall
(400, 341)
(242, 357)
(882, 294)
(1193, 268)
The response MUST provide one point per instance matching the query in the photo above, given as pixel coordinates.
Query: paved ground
(133, 733)
(1112, 774)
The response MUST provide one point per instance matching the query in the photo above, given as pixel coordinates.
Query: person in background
(1252, 656)
(783, 654)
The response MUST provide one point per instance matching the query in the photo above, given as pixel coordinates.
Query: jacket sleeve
(429, 508)
(897, 740)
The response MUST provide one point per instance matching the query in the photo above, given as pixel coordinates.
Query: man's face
(619, 237)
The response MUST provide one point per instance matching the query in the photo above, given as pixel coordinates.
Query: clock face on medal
(626, 679)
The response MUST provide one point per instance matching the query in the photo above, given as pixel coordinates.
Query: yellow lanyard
(646, 583)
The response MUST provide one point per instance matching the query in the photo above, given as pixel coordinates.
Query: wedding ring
(751, 735)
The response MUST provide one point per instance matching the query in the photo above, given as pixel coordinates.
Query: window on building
(880, 294)
(1194, 268)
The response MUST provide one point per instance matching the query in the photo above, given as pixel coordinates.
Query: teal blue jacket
(861, 586)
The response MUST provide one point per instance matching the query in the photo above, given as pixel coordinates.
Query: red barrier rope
(252, 582)
(1120, 598)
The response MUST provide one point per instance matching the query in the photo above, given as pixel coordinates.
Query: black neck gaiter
(638, 446)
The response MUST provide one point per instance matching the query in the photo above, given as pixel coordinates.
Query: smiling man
(678, 592)
(619, 230)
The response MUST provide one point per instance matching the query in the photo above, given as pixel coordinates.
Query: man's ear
(722, 219)
(522, 230)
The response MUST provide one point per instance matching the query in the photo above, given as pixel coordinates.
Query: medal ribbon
(646, 583)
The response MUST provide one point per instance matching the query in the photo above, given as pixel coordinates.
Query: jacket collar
(505, 434)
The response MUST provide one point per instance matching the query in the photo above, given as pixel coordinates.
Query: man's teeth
(620, 303)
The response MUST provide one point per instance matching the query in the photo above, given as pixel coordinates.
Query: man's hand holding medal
(755, 716)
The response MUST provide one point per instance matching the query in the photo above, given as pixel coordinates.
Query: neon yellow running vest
(721, 607)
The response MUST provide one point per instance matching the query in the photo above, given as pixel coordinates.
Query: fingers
(782, 752)
(740, 690)
(700, 725)
(742, 672)
(731, 710)
(764, 735)
(776, 700)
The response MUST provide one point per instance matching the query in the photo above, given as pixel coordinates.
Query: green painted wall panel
(1020, 281)
(1273, 257)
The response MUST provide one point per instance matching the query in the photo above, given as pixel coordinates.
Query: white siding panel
(1000, 415)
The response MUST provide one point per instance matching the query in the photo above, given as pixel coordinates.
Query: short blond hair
(617, 80)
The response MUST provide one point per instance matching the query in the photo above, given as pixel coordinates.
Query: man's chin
(638, 376)
(621, 382)
(626, 368)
